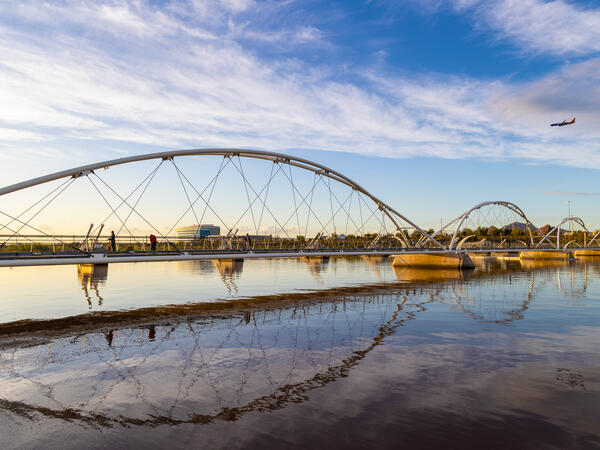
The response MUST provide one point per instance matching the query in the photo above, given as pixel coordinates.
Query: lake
(347, 352)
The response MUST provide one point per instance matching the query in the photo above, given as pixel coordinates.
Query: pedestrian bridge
(266, 204)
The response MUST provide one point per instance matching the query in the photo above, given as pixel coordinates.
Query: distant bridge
(269, 205)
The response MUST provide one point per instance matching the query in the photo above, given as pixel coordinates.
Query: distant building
(196, 232)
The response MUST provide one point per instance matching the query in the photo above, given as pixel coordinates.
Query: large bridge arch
(399, 221)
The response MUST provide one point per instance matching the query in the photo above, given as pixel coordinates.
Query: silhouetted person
(151, 332)
(113, 242)
(152, 242)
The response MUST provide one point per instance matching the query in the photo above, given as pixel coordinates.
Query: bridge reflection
(260, 359)
(91, 277)
(219, 369)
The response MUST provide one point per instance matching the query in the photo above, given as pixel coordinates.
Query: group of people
(112, 242)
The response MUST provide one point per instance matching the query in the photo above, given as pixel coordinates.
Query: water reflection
(497, 306)
(91, 277)
(570, 285)
(316, 265)
(194, 267)
(529, 264)
(230, 270)
(376, 263)
(495, 343)
(426, 274)
(217, 369)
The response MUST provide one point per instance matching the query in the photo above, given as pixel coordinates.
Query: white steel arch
(302, 163)
(574, 219)
(461, 219)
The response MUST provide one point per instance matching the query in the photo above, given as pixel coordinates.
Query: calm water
(506, 356)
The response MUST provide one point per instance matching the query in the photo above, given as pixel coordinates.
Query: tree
(493, 231)
(516, 232)
(466, 232)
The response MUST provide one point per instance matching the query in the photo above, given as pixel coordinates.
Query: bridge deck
(62, 258)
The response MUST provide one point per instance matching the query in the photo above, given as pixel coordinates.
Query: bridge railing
(82, 243)
(61, 243)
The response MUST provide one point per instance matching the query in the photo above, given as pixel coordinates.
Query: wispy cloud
(10, 134)
(184, 76)
(574, 89)
(538, 26)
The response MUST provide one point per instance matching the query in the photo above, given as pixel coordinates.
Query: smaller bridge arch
(460, 220)
(557, 229)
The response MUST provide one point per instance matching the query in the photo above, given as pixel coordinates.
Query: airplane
(563, 123)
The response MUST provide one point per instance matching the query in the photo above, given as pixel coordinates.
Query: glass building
(196, 232)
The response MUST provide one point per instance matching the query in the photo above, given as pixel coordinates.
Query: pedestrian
(152, 242)
(113, 242)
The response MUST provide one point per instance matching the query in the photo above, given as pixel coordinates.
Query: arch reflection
(218, 369)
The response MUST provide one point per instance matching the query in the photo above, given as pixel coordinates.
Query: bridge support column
(93, 271)
(437, 259)
(556, 254)
(584, 252)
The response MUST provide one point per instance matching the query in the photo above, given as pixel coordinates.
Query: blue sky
(446, 101)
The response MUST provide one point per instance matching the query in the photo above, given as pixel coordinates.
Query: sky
(432, 105)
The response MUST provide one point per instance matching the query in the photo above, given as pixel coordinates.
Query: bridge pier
(588, 252)
(435, 259)
(99, 270)
(504, 254)
(538, 254)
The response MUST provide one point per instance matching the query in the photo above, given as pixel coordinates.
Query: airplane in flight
(563, 123)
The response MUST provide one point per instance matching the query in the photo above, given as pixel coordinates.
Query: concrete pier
(93, 270)
(438, 259)
(558, 254)
(589, 252)
(529, 264)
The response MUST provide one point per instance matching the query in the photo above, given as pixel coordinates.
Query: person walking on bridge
(113, 242)
(152, 243)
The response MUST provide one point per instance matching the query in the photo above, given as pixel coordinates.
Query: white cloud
(538, 26)
(308, 34)
(9, 134)
(237, 5)
(181, 77)
(571, 91)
